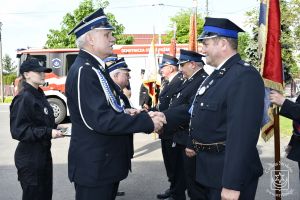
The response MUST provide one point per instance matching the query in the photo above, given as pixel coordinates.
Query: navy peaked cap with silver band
(189, 56)
(214, 27)
(119, 64)
(110, 60)
(168, 60)
(96, 20)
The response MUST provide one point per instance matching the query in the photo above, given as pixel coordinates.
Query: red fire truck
(60, 60)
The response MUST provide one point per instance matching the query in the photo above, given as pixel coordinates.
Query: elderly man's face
(166, 71)
(102, 42)
(122, 78)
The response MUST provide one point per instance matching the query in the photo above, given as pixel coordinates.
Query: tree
(182, 20)
(61, 39)
(290, 31)
(243, 41)
(8, 64)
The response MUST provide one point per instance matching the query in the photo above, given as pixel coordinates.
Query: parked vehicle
(60, 60)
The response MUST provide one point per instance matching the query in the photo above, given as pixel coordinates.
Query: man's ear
(193, 64)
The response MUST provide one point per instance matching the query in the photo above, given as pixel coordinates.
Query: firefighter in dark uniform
(120, 74)
(99, 154)
(226, 115)
(173, 78)
(145, 101)
(32, 123)
(191, 66)
(290, 110)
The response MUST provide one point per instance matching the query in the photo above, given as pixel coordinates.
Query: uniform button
(201, 104)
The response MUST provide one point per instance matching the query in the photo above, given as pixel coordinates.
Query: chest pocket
(206, 114)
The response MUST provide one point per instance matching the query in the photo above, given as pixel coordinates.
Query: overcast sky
(26, 23)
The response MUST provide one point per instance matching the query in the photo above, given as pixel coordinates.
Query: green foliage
(8, 79)
(61, 39)
(182, 20)
(243, 44)
(8, 64)
(286, 127)
(8, 99)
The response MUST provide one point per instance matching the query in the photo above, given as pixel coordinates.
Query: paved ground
(148, 176)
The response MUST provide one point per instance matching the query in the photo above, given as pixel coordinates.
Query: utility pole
(207, 8)
(1, 66)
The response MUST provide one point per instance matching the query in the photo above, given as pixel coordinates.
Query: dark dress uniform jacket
(31, 122)
(177, 115)
(165, 97)
(291, 110)
(230, 110)
(99, 151)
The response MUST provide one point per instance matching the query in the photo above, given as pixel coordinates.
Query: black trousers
(105, 192)
(247, 194)
(37, 192)
(169, 156)
(195, 190)
(179, 174)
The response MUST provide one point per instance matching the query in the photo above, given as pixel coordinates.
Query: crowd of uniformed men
(208, 120)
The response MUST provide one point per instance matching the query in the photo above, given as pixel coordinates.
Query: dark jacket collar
(91, 59)
(36, 92)
(197, 75)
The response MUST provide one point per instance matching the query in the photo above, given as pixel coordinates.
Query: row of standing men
(223, 119)
(209, 125)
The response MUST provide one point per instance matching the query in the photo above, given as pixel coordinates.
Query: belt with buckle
(212, 147)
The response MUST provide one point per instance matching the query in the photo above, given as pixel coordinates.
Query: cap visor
(182, 62)
(127, 69)
(206, 35)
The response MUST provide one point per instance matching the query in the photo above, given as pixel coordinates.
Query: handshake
(158, 118)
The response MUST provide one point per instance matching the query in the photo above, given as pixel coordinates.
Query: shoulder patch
(241, 62)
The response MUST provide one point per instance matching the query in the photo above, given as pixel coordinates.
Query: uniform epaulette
(244, 63)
